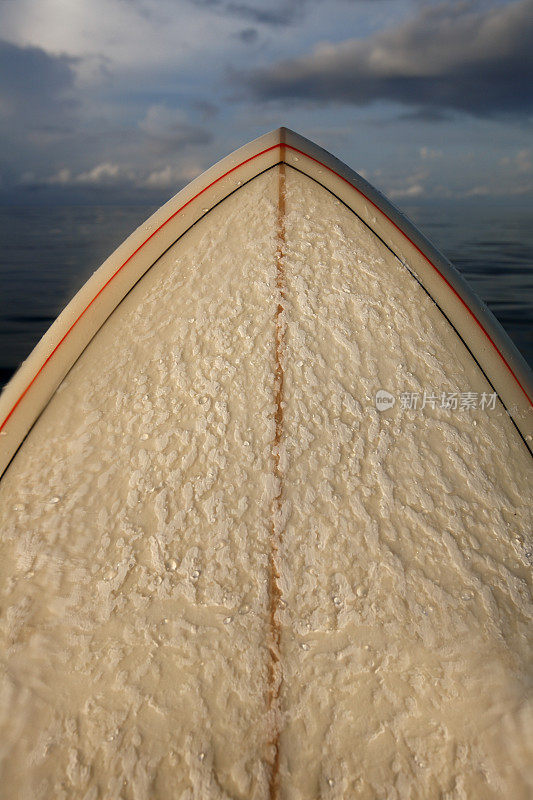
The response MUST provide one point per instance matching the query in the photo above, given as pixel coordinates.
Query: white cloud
(131, 35)
(415, 190)
(478, 191)
(101, 174)
(430, 154)
(502, 190)
(162, 178)
(521, 162)
(63, 177)
(172, 177)
(167, 177)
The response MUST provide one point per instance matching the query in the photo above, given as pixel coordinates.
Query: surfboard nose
(283, 134)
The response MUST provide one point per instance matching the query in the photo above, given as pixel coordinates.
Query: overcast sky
(129, 99)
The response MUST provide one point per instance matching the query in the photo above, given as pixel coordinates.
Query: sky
(128, 100)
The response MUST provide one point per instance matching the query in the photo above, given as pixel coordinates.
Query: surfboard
(265, 510)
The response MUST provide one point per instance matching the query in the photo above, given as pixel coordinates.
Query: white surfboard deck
(224, 573)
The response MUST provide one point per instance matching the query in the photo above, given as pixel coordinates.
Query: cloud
(168, 128)
(171, 177)
(401, 185)
(430, 154)
(115, 176)
(63, 177)
(449, 56)
(425, 115)
(520, 163)
(281, 15)
(478, 191)
(285, 12)
(36, 90)
(106, 174)
(39, 109)
(60, 136)
(504, 191)
(248, 35)
(100, 175)
(415, 190)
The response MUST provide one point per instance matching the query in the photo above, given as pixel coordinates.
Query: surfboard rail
(32, 386)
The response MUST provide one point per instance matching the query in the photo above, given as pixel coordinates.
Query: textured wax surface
(136, 538)
(404, 561)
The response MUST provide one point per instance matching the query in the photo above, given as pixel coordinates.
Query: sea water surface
(48, 252)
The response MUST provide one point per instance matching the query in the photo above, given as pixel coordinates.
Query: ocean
(47, 253)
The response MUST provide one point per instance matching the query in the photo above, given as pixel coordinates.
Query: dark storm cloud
(281, 13)
(248, 35)
(35, 91)
(450, 56)
(168, 129)
(426, 115)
